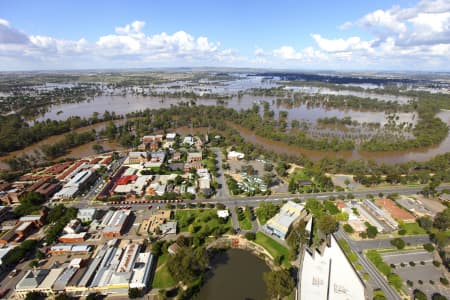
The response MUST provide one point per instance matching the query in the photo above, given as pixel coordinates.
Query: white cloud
(380, 20)
(341, 45)
(127, 45)
(287, 52)
(134, 27)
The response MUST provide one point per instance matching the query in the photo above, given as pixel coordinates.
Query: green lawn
(163, 279)
(200, 219)
(245, 223)
(274, 248)
(412, 228)
(300, 175)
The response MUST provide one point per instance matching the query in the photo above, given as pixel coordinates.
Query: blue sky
(340, 35)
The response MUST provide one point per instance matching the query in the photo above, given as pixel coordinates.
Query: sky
(401, 35)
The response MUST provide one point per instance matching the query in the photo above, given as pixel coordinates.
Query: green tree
(33, 264)
(442, 220)
(348, 228)
(251, 236)
(425, 222)
(399, 243)
(293, 185)
(429, 247)
(279, 284)
(371, 231)
(327, 224)
(34, 296)
(97, 148)
(297, 236)
(266, 211)
(419, 295)
(133, 293)
(437, 296)
(187, 264)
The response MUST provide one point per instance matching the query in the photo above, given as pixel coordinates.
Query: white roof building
(188, 140)
(224, 213)
(234, 155)
(330, 276)
(281, 223)
(86, 214)
(171, 136)
(142, 270)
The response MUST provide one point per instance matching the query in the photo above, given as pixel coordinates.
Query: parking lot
(421, 272)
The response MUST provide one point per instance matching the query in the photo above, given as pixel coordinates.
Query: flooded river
(122, 104)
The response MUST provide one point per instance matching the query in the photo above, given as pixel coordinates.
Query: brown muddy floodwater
(237, 275)
(76, 152)
(389, 157)
(130, 103)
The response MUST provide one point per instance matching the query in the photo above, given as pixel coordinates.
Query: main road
(374, 276)
(253, 201)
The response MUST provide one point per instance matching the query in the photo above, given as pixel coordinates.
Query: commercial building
(117, 223)
(380, 214)
(282, 222)
(79, 182)
(30, 282)
(194, 156)
(73, 226)
(86, 214)
(168, 227)
(135, 158)
(329, 276)
(142, 271)
(70, 249)
(396, 212)
(73, 237)
(157, 219)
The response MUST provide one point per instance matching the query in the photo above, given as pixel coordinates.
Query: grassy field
(412, 228)
(300, 175)
(163, 279)
(200, 218)
(274, 248)
(245, 222)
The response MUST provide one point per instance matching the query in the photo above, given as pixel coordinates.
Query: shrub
(443, 280)
(419, 295)
(431, 282)
(436, 263)
(437, 296)
(251, 236)
(429, 247)
(420, 281)
(422, 263)
(409, 283)
(403, 265)
(398, 243)
(412, 264)
(402, 232)
(348, 228)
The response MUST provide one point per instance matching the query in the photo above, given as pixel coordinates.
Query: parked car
(13, 273)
